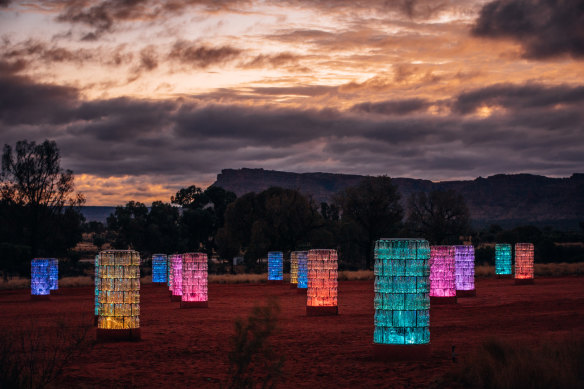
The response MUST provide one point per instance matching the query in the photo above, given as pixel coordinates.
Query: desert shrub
(505, 365)
(253, 362)
(35, 357)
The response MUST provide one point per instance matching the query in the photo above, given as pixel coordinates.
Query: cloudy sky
(144, 97)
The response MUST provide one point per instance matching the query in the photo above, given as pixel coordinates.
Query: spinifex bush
(253, 361)
(505, 365)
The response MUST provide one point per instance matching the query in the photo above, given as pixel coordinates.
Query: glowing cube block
(119, 290)
(464, 264)
(175, 274)
(40, 283)
(402, 301)
(503, 259)
(524, 261)
(275, 266)
(54, 273)
(302, 257)
(194, 277)
(442, 276)
(159, 268)
(96, 285)
(322, 279)
(294, 267)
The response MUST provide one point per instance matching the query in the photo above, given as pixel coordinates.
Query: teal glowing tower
(402, 300)
(503, 259)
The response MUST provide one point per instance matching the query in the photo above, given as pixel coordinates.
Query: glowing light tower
(194, 281)
(302, 257)
(54, 273)
(40, 283)
(275, 259)
(524, 271)
(175, 277)
(323, 283)
(159, 268)
(294, 269)
(96, 289)
(464, 265)
(442, 276)
(119, 295)
(402, 300)
(503, 259)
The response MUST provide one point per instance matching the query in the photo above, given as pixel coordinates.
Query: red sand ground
(188, 347)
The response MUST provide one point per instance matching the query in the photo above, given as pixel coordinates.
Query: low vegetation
(499, 364)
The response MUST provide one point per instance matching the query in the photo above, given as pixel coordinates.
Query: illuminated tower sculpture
(503, 259)
(464, 265)
(40, 283)
(119, 295)
(402, 301)
(96, 288)
(302, 257)
(175, 277)
(442, 276)
(275, 259)
(159, 268)
(524, 270)
(194, 281)
(294, 269)
(54, 273)
(322, 283)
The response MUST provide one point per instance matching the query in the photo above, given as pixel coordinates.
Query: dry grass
(506, 365)
(541, 270)
(356, 275)
(238, 278)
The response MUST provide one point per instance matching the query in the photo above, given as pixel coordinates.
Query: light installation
(159, 268)
(40, 284)
(54, 273)
(402, 300)
(524, 270)
(464, 265)
(96, 288)
(294, 269)
(442, 276)
(323, 282)
(302, 257)
(503, 259)
(175, 277)
(194, 281)
(275, 259)
(119, 295)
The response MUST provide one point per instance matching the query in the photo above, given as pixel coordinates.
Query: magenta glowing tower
(194, 281)
(464, 265)
(524, 263)
(442, 276)
(175, 277)
(323, 283)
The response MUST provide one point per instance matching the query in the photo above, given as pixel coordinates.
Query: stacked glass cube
(524, 261)
(159, 271)
(503, 259)
(464, 263)
(194, 277)
(294, 267)
(119, 289)
(322, 278)
(175, 274)
(302, 257)
(402, 300)
(442, 276)
(275, 259)
(40, 284)
(54, 273)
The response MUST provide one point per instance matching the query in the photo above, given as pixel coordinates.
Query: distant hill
(508, 200)
(96, 213)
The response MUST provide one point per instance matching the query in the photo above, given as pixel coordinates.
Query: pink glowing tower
(194, 281)
(175, 277)
(442, 276)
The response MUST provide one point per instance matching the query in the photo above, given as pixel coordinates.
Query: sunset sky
(144, 97)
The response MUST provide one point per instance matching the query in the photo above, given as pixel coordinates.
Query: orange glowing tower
(322, 283)
(524, 271)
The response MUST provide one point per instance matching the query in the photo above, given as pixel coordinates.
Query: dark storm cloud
(181, 138)
(5, 3)
(517, 97)
(393, 107)
(545, 28)
(201, 56)
(267, 60)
